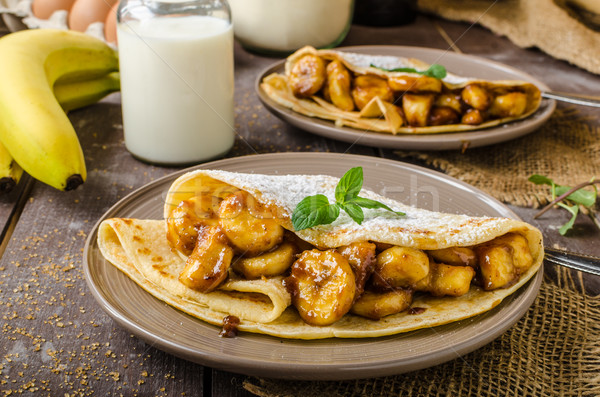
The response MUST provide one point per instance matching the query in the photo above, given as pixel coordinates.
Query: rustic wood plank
(56, 340)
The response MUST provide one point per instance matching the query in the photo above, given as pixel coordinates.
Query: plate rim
(304, 371)
(437, 142)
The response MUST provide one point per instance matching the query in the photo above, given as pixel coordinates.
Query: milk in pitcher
(177, 88)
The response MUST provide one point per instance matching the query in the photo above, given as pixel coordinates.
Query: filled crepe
(227, 248)
(394, 94)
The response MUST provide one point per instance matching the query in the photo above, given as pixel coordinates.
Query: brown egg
(44, 9)
(86, 12)
(110, 25)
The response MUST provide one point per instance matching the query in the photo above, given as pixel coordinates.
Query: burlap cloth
(574, 24)
(566, 149)
(554, 350)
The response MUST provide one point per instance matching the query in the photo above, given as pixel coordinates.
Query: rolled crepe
(140, 249)
(382, 118)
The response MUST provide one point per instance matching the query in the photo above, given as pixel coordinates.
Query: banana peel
(34, 127)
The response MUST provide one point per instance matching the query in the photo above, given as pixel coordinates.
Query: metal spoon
(583, 263)
(572, 98)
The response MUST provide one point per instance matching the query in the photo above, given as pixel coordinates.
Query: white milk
(177, 88)
(286, 25)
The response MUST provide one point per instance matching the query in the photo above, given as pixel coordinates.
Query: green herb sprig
(569, 198)
(317, 210)
(435, 70)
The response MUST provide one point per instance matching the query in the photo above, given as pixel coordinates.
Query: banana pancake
(228, 247)
(394, 94)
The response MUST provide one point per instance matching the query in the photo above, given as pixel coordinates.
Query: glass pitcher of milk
(176, 64)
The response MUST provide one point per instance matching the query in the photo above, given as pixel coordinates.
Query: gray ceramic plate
(177, 333)
(460, 64)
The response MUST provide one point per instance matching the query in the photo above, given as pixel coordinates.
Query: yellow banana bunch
(78, 94)
(70, 96)
(10, 171)
(34, 128)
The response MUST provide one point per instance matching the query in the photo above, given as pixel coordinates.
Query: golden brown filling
(368, 279)
(418, 101)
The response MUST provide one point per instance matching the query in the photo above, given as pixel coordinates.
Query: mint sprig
(435, 70)
(569, 198)
(317, 210)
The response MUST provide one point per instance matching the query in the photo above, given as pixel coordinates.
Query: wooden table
(55, 338)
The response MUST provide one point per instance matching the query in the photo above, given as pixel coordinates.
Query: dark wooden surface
(55, 339)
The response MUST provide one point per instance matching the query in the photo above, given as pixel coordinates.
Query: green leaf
(435, 70)
(581, 196)
(316, 210)
(540, 180)
(349, 185)
(313, 211)
(354, 211)
(372, 204)
(574, 210)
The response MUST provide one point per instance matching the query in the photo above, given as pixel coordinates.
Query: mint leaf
(372, 204)
(354, 211)
(584, 197)
(576, 195)
(540, 180)
(316, 210)
(435, 70)
(581, 196)
(349, 185)
(313, 211)
(574, 210)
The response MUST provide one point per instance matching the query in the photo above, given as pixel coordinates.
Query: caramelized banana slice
(456, 256)
(400, 267)
(361, 257)
(272, 263)
(496, 266)
(450, 101)
(447, 280)
(322, 286)
(187, 219)
(522, 259)
(442, 115)
(338, 86)
(248, 224)
(502, 260)
(367, 87)
(416, 108)
(476, 96)
(472, 117)
(415, 84)
(512, 104)
(207, 266)
(307, 76)
(375, 305)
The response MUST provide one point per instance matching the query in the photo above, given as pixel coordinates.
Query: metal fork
(572, 98)
(584, 263)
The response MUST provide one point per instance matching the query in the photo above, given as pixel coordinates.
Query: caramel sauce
(230, 327)
(416, 310)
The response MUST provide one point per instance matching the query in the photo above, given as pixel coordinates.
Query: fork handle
(572, 98)
(583, 263)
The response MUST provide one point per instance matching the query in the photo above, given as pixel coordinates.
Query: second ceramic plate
(173, 331)
(460, 64)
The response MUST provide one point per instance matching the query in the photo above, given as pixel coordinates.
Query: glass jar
(176, 65)
(279, 27)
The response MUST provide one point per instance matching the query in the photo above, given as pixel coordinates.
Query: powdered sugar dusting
(393, 62)
(424, 228)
